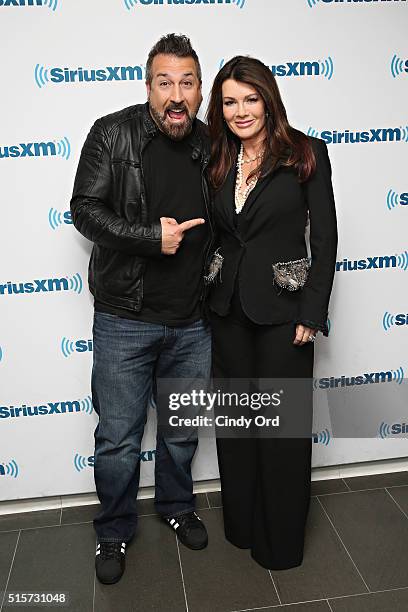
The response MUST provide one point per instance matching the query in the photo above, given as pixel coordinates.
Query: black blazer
(270, 229)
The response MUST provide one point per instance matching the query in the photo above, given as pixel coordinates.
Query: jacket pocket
(291, 275)
(214, 267)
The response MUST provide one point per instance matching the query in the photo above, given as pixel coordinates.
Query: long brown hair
(283, 142)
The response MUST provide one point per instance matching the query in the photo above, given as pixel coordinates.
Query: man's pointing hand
(173, 233)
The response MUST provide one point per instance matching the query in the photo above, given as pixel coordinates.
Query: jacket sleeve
(91, 213)
(314, 303)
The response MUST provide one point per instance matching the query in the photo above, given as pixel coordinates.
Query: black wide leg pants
(265, 482)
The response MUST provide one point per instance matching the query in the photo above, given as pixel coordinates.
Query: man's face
(174, 94)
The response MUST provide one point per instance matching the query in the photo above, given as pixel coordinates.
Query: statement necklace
(240, 197)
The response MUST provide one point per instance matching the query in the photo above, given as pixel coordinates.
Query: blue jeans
(128, 358)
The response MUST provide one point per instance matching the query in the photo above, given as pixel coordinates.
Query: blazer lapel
(256, 191)
(225, 198)
(249, 205)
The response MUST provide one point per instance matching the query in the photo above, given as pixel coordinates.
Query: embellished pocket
(291, 275)
(215, 267)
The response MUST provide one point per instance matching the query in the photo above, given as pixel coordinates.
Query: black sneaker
(110, 561)
(190, 530)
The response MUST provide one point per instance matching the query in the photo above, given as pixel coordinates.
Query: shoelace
(111, 550)
(188, 520)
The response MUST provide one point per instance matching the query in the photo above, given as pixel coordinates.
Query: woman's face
(243, 109)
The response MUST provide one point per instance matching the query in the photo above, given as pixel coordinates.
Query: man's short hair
(172, 44)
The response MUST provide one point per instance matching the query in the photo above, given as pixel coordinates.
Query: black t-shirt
(172, 283)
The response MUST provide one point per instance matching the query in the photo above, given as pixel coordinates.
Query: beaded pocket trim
(215, 267)
(291, 275)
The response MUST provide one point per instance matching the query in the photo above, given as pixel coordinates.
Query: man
(141, 196)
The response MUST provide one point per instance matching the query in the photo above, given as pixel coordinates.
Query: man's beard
(174, 131)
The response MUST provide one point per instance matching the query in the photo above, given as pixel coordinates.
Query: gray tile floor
(356, 558)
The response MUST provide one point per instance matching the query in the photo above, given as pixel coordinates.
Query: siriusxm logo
(52, 4)
(322, 437)
(374, 263)
(57, 218)
(132, 3)
(324, 68)
(389, 320)
(44, 75)
(386, 430)
(313, 3)
(398, 66)
(399, 134)
(49, 408)
(394, 199)
(68, 347)
(9, 469)
(361, 379)
(81, 462)
(44, 285)
(52, 148)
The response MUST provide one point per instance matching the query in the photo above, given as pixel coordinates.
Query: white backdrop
(342, 68)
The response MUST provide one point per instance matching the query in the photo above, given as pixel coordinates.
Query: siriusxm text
(36, 286)
(177, 2)
(398, 428)
(349, 381)
(21, 2)
(7, 412)
(369, 263)
(372, 135)
(29, 149)
(297, 69)
(357, 1)
(110, 73)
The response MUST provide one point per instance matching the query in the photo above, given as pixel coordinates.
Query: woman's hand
(303, 333)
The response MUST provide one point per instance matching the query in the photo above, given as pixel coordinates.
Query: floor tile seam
(10, 570)
(69, 524)
(369, 593)
(396, 503)
(356, 491)
(328, 603)
(181, 572)
(327, 599)
(279, 605)
(343, 544)
(274, 585)
(209, 508)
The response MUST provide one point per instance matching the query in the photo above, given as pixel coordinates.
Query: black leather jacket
(110, 208)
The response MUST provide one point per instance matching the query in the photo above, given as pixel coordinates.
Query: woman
(267, 302)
